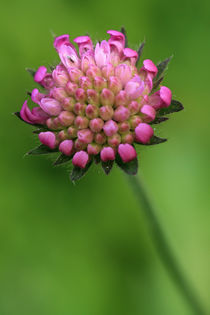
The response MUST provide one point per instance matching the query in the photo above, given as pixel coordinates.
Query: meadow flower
(97, 104)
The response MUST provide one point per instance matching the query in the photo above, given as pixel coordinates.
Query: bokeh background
(86, 249)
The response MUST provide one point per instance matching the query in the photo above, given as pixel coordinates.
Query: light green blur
(85, 249)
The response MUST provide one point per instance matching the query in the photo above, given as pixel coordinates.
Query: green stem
(163, 247)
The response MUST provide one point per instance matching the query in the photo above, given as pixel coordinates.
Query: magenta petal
(66, 147)
(165, 95)
(40, 74)
(143, 133)
(23, 114)
(84, 43)
(50, 106)
(149, 111)
(110, 128)
(60, 40)
(127, 152)
(36, 96)
(107, 154)
(48, 138)
(80, 159)
(150, 66)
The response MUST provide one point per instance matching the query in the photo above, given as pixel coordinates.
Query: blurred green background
(86, 249)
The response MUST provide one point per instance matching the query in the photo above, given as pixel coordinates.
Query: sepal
(158, 120)
(78, 172)
(42, 149)
(154, 140)
(175, 106)
(130, 168)
(62, 158)
(162, 66)
(31, 71)
(123, 30)
(107, 166)
(140, 51)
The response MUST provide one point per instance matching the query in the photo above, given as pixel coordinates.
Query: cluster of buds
(96, 102)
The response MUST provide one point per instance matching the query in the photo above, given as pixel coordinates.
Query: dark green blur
(85, 249)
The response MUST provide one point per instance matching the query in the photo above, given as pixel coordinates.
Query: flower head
(96, 104)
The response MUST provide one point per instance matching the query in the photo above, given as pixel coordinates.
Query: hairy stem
(163, 248)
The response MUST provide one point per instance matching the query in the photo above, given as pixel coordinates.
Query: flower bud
(85, 136)
(107, 71)
(57, 123)
(63, 135)
(134, 88)
(84, 43)
(60, 75)
(148, 112)
(87, 61)
(93, 148)
(124, 127)
(107, 154)
(107, 97)
(106, 112)
(40, 74)
(72, 132)
(134, 107)
(50, 106)
(48, 138)
(81, 122)
(68, 103)
(123, 72)
(66, 118)
(122, 113)
(127, 152)
(80, 95)
(79, 109)
(102, 53)
(99, 83)
(127, 138)
(92, 97)
(50, 123)
(85, 83)
(121, 99)
(47, 82)
(135, 121)
(59, 93)
(93, 71)
(96, 124)
(144, 133)
(165, 95)
(130, 55)
(114, 140)
(114, 84)
(80, 159)
(100, 138)
(91, 111)
(110, 128)
(79, 145)
(66, 147)
(75, 74)
(71, 88)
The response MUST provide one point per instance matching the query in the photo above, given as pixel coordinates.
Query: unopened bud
(80, 95)
(85, 135)
(107, 154)
(93, 148)
(66, 118)
(71, 88)
(91, 111)
(93, 97)
(114, 84)
(99, 83)
(68, 103)
(66, 147)
(85, 83)
(134, 107)
(121, 99)
(96, 124)
(135, 121)
(62, 135)
(110, 128)
(81, 122)
(122, 113)
(72, 132)
(107, 97)
(107, 70)
(59, 93)
(106, 112)
(127, 138)
(79, 109)
(124, 127)
(75, 74)
(100, 138)
(60, 75)
(93, 71)
(114, 140)
(79, 145)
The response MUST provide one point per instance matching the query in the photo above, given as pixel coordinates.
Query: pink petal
(143, 132)
(66, 147)
(107, 154)
(80, 159)
(40, 74)
(127, 152)
(48, 138)
(165, 95)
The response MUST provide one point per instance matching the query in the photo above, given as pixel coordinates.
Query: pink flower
(66, 147)
(80, 159)
(144, 133)
(107, 154)
(48, 138)
(96, 103)
(127, 152)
